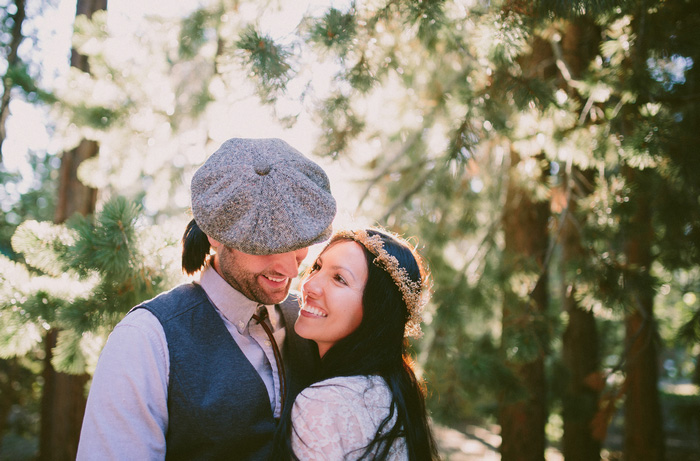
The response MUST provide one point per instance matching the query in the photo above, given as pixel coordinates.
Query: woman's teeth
(314, 311)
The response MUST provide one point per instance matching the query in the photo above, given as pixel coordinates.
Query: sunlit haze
(29, 126)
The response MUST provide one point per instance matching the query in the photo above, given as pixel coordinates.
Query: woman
(361, 297)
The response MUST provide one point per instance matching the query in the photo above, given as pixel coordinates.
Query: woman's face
(332, 295)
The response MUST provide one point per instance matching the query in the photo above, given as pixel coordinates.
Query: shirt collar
(234, 305)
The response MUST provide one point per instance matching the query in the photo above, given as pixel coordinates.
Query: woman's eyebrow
(344, 269)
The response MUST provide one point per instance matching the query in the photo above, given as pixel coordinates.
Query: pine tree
(80, 279)
(19, 376)
(470, 122)
(63, 395)
(581, 106)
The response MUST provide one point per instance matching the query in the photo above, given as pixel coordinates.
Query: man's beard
(247, 282)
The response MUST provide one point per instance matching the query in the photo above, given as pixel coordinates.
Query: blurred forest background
(543, 153)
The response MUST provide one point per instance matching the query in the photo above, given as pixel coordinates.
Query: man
(196, 373)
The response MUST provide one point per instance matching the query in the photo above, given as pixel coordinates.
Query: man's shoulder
(175, 292)
(171, 302)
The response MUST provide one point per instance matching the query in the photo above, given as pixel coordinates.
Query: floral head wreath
(415, 294)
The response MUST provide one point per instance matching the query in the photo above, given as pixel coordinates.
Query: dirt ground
(475, 443)
(481, 443)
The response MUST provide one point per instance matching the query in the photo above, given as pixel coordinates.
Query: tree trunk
(580, 347)
(73, 195)
(644, 438)
(12, 60)
(580, 352)
(63, 397)
(10, 393)
(523, 418)
(62, 409)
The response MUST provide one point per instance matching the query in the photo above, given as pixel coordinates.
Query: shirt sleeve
(126, 416)
(327, 424)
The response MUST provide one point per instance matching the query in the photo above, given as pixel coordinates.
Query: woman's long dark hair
(378, 347)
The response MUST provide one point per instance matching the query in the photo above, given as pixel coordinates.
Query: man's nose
(287, 264)
(300, 255)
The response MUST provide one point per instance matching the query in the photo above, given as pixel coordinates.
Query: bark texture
(63, 397)
(644, 438)
(523, 418)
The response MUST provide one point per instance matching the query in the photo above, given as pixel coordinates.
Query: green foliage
(193, 33)
(97, 117)
(40, 243)
(20, 384)
(360, 75)
(85, 275)
(339, 125)
(85, 28)
(561, 84)
(430, 18)
(444, 104)
(35, 203)
(689, 333)
(20, 77)
(107, 243)
(335, 30)
(572, 9)
(683, 410)
(467, 378)
(67, 354)
(267, 62)
(505, 37)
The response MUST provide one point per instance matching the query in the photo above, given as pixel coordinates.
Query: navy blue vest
(218, 406)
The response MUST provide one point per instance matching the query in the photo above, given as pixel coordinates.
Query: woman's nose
(311, 286)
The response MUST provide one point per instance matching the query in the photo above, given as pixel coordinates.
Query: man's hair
(195, 248)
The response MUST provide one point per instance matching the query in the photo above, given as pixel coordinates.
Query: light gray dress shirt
(127, 409)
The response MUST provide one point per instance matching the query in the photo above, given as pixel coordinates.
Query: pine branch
(335, 30)
(555, 42)
(386, 168)
(408, 144)
(42, 243)
(267, 61)
(99, 271)
(407, 194)
(565, 72)
(68, 356)
(689, 333)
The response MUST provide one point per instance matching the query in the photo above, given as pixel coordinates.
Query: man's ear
(214, 243)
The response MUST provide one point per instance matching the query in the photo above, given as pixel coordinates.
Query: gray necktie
(262, 320)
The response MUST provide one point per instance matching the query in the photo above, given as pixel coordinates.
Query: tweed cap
(262, 196)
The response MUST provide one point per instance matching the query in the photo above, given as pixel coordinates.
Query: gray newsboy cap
(262, 196)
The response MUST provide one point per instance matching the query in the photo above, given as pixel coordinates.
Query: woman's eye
(315, 267)
(340, 279)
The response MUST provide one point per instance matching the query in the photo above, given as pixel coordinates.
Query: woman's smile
(313, 311)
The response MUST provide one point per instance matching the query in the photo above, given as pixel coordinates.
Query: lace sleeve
(330, 422)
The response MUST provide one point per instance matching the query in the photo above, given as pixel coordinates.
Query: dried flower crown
(415, 293)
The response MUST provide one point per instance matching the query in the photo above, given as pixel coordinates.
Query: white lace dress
(337, 418)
